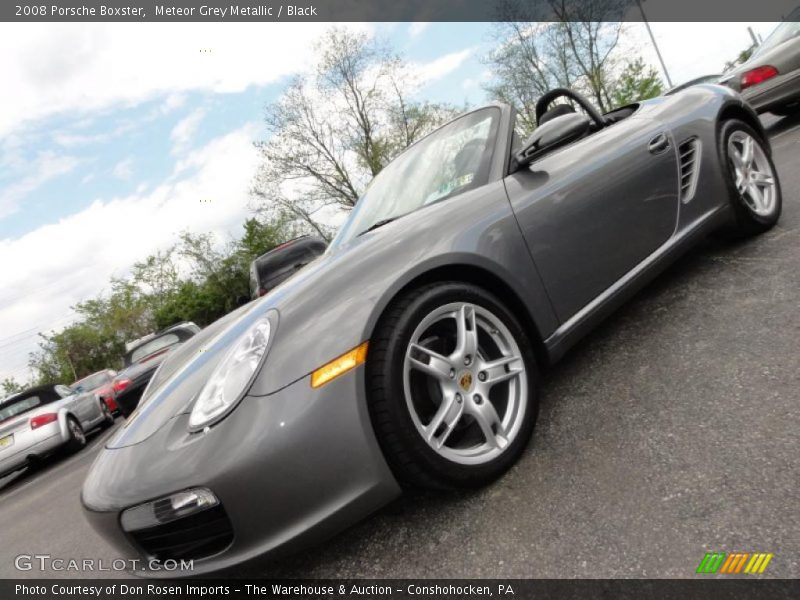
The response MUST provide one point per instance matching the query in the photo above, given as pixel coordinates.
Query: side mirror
(553, 134)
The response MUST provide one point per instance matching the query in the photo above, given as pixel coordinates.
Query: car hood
(182, 374)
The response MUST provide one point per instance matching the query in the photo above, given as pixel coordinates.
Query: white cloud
(185, 129)
(79, 68)
(440, 67)
(123, 169)
(45, 167)
(417, 28)
(74, 258)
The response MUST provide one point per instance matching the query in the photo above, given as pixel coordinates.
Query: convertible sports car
(410, 353)
(41, 420)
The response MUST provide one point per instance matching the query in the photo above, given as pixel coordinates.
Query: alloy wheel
(465, 383)
(77, 432)
(753, 176)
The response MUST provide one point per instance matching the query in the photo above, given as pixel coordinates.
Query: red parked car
(101, 384)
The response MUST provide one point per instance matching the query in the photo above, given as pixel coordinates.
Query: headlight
(232, 377)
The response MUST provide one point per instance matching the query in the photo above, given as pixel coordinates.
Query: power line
(33, 331)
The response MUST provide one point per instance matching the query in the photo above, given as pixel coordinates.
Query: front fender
(334, 305)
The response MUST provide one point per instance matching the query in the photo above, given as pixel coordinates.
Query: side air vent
(689, 158)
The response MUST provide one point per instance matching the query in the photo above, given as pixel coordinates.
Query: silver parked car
(39, 421)
(770, 79)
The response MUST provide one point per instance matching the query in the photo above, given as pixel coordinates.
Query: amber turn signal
(339, 366)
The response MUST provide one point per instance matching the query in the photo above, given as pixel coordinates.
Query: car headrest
(556, 111)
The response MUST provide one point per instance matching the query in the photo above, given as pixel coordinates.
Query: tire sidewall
(74, 442)
(439, 468)
(745, 216)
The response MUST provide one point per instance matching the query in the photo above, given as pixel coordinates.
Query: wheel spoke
(741, 184)
(756, 196)
(747, 151)
(488, 420)
(502, 369)
(738, 161)
(466, 332)
(448, 414)
(438, 366)
(759, 178)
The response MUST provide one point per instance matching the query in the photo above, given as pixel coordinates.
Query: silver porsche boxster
(411, 352)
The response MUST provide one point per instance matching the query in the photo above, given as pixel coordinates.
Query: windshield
(451, 160)
(787, 30)
(153, 346)
(92, 382)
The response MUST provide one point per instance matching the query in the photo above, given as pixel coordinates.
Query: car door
(76, 403)
(593, 210)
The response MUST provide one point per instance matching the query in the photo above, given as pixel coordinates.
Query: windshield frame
(499, 140)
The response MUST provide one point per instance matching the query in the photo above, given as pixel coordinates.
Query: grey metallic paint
(293, 464)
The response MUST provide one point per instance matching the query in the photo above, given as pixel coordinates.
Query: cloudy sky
(116, 137)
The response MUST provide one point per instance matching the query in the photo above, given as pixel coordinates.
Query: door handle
(658, 143)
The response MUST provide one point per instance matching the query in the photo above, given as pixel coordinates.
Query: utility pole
(753, 37)
(653, 39)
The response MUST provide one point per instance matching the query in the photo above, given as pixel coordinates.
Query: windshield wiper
(380, 223)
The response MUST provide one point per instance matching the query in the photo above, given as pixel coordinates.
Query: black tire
(413, 461)
(108, 421)
(77, 437)
(746, 222)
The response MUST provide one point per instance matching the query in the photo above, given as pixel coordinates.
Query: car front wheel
(77, 437)
(453, 386)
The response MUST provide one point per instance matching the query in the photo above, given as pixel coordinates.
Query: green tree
(96, 340)
(219, 279)
(577, 49)
(637, 81)
(10, 386)
(196, 279)
(741, 58)
(331, 132)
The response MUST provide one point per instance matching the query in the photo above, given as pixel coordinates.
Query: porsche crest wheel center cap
(465, 380)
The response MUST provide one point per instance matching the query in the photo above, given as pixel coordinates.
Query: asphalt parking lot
(673, 430)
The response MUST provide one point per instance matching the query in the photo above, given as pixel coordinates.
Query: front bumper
(290, 469)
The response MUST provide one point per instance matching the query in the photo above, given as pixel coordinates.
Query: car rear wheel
(753, 185)
(77, 437)
(453, 386)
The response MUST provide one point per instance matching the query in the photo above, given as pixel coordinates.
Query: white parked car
(40, 420)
